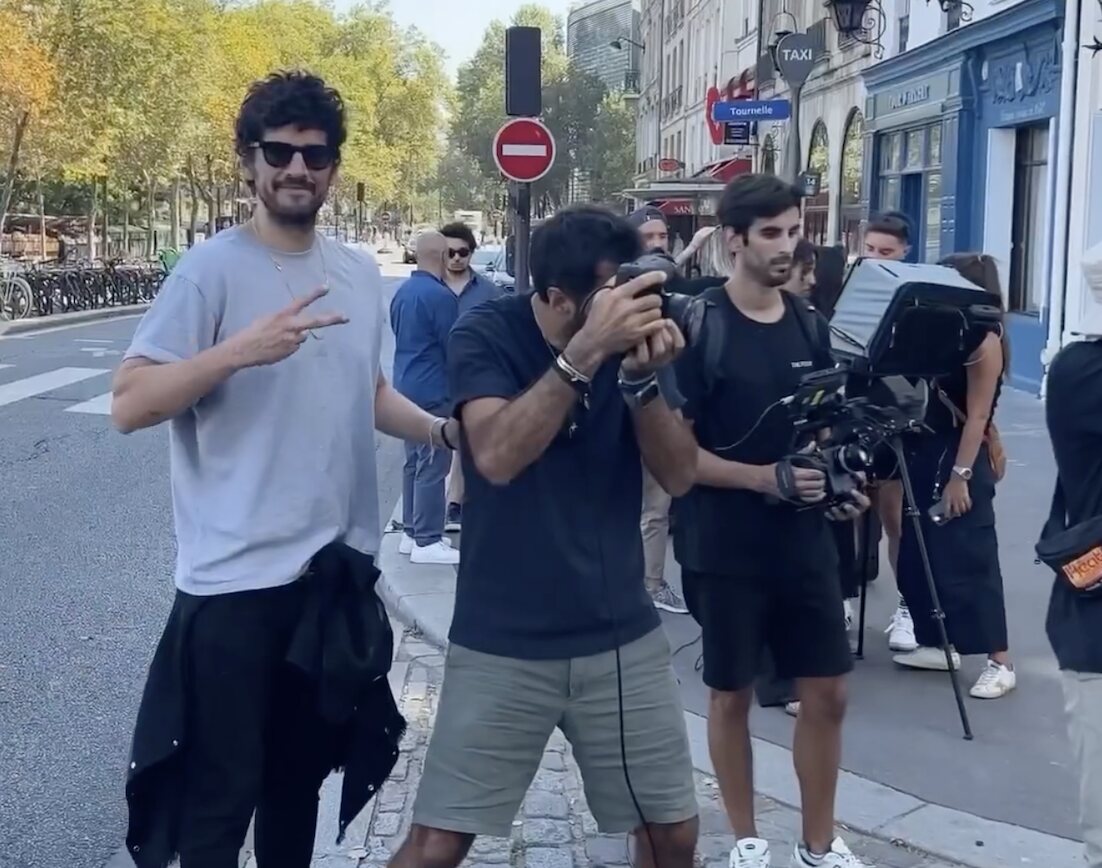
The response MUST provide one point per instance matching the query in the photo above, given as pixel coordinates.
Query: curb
(417, 597)
(77, 317)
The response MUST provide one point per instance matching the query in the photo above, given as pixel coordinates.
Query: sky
(457, 25)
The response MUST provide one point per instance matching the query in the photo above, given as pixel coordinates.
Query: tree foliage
(589, 126)
(145, 92)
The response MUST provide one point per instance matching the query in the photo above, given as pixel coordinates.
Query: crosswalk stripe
(2, 366)
(36, 385)
(98, 406)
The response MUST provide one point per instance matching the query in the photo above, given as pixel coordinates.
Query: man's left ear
(560, 302)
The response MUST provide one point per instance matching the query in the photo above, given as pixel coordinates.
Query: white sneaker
(750, 853)
(847, 613)
(405, 544)
(436, 553)
(838, 857)
(901, 631)
(792, 709)
(925, 657)
(994, 682)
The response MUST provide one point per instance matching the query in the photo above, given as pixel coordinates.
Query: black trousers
(964, 553)
(255, 741)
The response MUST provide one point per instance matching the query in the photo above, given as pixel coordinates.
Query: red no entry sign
(524, 149)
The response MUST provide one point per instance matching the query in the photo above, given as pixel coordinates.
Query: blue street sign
(752, 110)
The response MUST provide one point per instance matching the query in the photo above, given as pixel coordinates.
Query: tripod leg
(910, 507)
(863, 544)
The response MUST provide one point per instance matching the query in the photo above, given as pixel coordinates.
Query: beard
(769, 274)
(299, 210)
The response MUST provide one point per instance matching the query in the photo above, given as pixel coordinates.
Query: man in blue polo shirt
(472, 289)
(422, 314)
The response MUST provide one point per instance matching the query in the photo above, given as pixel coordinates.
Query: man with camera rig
(758, 562)
(561, 398)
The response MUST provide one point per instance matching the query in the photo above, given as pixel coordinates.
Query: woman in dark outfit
(952, 467)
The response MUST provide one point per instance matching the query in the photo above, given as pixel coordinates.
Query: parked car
(489, 261)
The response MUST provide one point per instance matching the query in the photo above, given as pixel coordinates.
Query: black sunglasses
(279, 155)
(458, 251)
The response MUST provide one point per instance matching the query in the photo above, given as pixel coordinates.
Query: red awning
(725, 170)
(676, 207)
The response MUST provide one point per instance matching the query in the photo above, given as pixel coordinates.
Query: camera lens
(855, 458)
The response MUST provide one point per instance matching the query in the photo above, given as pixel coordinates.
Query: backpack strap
(815, 329)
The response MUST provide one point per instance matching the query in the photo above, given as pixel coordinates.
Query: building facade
(961, 136)
(829, 121)
(1077, 313)
(593, 32)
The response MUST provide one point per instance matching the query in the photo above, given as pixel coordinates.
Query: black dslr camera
(686, 311)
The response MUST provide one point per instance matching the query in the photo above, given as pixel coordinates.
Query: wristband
(444, 436)
(574, 378)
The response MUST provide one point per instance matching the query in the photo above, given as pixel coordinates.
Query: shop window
(849, 196)
(817, 208)
(933, 217)
(1027, 234)
(769, 156)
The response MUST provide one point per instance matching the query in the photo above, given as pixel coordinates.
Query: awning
(676, 207)
(725, 170)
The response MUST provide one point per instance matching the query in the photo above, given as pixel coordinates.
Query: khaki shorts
(496, 715)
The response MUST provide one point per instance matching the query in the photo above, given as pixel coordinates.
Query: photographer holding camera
(561, 396)
(758, 561)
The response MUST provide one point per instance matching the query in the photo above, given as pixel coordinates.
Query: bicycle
(15, 296)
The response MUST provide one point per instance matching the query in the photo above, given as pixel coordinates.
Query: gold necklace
(279, 268)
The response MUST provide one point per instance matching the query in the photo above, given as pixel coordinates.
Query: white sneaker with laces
(925, 657)
(405, 544)
(436, 553)
(750, 853)
(901, 631)
(994, 682)
(839, 856)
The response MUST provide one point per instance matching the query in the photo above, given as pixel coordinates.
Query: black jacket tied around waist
(342, 641)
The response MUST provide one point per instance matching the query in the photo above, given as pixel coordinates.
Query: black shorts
(799, 618)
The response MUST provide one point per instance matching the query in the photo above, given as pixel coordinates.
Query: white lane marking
(98, 352)
(2, 366)
(36, 385)
(49, 329)
(524, 150)
(97, 406)
(92, 341)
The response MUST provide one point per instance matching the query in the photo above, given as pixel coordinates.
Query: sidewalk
(891, 829)
(554, 828)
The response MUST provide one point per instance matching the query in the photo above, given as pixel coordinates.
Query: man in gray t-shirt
(261, 351)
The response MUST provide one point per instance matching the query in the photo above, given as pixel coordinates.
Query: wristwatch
(964, 473)
(641, 393)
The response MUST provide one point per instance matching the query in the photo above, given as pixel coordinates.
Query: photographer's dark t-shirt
(552, 564)
(1073, 408)
(737, 415)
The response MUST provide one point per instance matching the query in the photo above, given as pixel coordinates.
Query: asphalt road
(86, 559)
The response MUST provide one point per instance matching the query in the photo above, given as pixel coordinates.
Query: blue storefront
(961, 137)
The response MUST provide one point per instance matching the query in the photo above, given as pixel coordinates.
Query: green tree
(571, 99)
(612, 151)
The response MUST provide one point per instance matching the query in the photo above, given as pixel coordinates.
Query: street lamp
(618, 43)
(862, 21)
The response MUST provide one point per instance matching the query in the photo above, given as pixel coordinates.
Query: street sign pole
(795, 60)
(522, 228)
(524, 151)
(523, 99)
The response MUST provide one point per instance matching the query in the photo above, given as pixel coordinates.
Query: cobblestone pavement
(554, 828)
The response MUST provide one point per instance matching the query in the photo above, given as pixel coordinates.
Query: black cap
(644, 215)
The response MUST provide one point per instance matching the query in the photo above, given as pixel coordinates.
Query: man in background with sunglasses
(422, 314)
(273, 406)
(472, 289)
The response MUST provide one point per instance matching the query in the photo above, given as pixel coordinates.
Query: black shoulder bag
(1073, 553)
